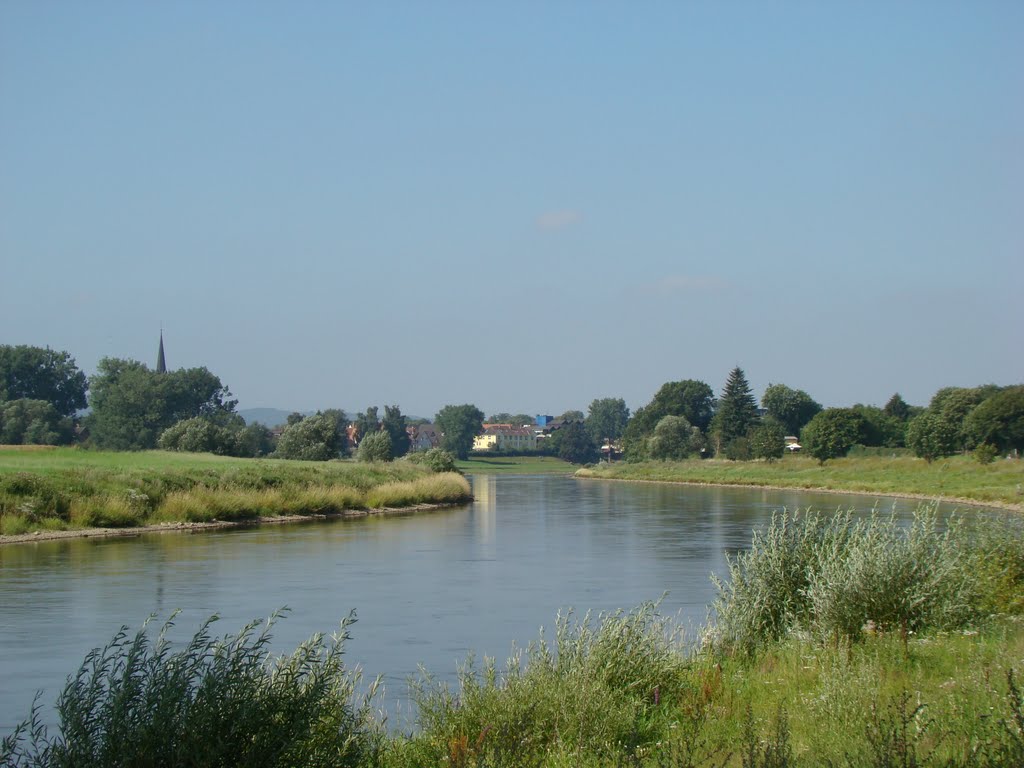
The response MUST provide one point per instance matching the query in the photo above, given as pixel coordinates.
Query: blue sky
(524, 206)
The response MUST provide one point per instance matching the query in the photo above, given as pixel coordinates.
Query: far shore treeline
(126, 406)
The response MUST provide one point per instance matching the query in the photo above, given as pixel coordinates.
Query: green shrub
(434, 459)
(376, 446)
(216, 702)
(986, 453)
(806, 574)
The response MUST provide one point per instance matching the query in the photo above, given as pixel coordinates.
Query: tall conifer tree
(737, 408)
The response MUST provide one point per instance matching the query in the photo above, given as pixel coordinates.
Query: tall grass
(218, 701)
(603, 689)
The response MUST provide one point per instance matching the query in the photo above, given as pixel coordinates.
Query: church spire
(161, 364)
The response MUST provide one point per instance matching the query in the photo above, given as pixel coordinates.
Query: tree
(394, 425)
(931, 436)
(132, 405)
(791, 407)
(954, 406)
(35, 373)
(768, 440)
(375, 447)
(832, 433)
(294, 418)
(737, 409)
(33, 422)
(607, 419)
(880, 429)
(897, 408)
(674, 439)
(999, 420)
(575, 445)
(367, 423)
(571, 416)
(459, 424)
(693, 400)
(254, 440)
(315, 438)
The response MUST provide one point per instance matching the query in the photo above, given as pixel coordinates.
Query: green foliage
(986, 453)
(434, 459)
(34, 373)
(459, 425)
(880, 429)
(768, 440)
(515, 419)
(33, 422)
(606, 692)
(931, 436)
(575, 444)
(607, 418)
(954, 405)
(198, 435)
(223, 437)
(376, 446)
(394, 424)
(736, 413)
(830, 577)
(897, 408)
(792, 408)
(367, 423)
(738, 449)
(253, 441)
(693, 400)
(218, 701)
(999, 420)
(316, 438)
(132, 405)
(832, 433)
(674, 439)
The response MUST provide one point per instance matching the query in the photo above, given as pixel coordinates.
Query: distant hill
(270, 417)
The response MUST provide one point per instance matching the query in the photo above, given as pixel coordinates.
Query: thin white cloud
(552, 221)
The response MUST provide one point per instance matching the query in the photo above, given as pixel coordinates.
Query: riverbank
(479, 464)
(69, 492)
(958, 479)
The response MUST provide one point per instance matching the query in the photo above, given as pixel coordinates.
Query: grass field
(958, 477)
(67, 488)
(515, 465)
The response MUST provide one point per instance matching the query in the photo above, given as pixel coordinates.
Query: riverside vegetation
(68, 488)
(956, 477)
(837, 642)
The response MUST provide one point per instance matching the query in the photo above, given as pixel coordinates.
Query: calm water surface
(428, 588)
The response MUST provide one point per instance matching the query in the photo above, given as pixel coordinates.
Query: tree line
(43, 395)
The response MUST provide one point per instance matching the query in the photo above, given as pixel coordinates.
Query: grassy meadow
(68, 488)
(955, 478)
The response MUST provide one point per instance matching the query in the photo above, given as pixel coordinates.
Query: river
(428, 588)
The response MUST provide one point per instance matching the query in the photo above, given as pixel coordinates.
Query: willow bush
(218, 701)
(835, 576)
